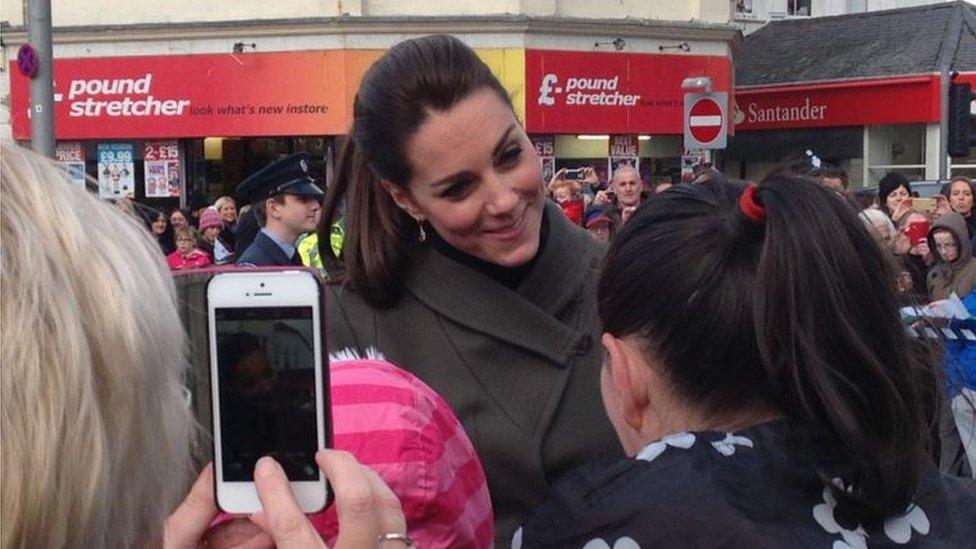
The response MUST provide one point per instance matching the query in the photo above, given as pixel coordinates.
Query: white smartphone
(268, 385)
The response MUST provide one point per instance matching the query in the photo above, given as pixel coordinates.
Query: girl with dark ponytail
(757, 368)
(456, 268)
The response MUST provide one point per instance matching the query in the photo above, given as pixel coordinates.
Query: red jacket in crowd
(195, 259)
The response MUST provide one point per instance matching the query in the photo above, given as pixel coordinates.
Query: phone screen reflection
(266, 373)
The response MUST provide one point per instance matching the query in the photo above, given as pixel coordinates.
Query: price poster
(545, 148)
(116, 170)
(71, 155)
(163, 170)
(624, 151)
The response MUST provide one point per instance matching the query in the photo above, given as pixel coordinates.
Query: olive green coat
(519, 367)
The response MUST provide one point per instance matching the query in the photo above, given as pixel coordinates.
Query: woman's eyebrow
(494, 152)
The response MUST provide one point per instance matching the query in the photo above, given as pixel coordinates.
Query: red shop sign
(625, 93)
(277, 93)
(900, 100)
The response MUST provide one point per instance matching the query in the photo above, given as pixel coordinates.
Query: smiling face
(961, 198)
(228, 212)
(178, 220)
(477, 181)
(159, 224)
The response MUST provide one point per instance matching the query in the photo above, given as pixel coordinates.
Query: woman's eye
(510, 156)
(456, 189)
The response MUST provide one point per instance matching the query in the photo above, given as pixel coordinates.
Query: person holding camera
(97, 429)
(624, 196)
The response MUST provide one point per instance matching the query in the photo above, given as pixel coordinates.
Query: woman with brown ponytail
(456, 268)
(769, 395)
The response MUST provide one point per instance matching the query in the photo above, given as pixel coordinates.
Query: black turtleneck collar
(510, 277)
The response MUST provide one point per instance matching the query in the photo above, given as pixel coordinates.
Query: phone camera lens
(262, 284)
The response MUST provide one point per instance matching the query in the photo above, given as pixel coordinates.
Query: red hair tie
(750, 207)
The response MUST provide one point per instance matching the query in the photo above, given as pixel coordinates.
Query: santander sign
(803, 112)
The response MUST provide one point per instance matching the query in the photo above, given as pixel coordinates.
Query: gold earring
(422, 234)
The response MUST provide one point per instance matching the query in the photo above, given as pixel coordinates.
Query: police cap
(286, 176)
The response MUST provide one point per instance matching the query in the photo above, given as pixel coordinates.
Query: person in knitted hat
(211, 227)
(599, 226)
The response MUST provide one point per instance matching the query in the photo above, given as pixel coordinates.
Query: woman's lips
(510, 232)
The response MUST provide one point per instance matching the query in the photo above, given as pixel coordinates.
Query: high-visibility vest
(308, 246)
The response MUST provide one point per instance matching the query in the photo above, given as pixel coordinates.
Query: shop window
(965, 170)
(159, 189)
(798, 7)
(896, 148)
(742, 8)
(963, 165)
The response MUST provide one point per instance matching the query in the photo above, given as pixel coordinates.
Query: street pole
(42, 85)
(944, 80)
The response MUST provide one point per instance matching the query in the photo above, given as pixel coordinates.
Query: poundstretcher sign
(614, 93)
(255, 94)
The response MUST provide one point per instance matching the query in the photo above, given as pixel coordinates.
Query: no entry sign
(705, 120)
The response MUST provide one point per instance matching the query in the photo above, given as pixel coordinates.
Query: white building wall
(127, 12)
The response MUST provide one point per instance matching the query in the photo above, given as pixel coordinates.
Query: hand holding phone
(282, 522)
(917, 232)
(922, 205)
(268, 384)
(589, 175)
(575, 174)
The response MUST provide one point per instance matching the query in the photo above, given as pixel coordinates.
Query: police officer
(286, 203)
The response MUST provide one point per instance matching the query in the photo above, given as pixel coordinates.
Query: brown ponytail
(376, 232)
(841, 359)
(790, 308)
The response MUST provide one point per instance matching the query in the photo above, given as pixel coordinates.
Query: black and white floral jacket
(755, 488)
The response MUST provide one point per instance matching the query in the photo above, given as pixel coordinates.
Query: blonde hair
(874, 218)
(189, 232)
(223, 201)
(96, 432)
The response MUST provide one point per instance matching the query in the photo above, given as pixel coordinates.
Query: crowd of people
(731, 369)
(931, 241)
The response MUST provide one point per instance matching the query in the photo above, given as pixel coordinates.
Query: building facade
(863, 91)
(161, 101)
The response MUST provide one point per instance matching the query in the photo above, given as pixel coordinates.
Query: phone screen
(266, 377)
(573, 175)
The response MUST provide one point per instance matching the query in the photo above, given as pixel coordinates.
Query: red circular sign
(705, 120)
(27, 60)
